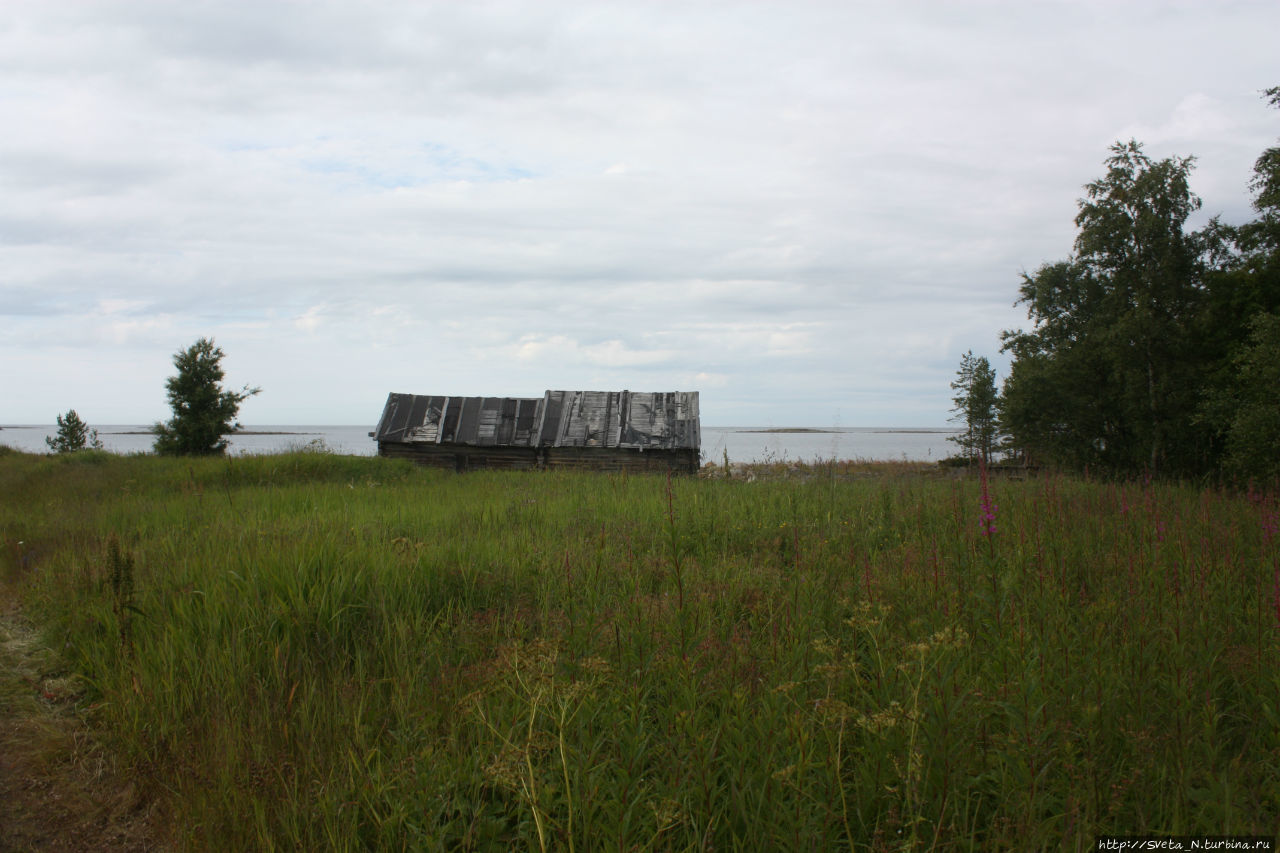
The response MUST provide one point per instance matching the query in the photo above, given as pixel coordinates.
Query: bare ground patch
(60, 788)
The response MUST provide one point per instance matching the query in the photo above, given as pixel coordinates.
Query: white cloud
(310, 320)
(553, 351)
(824, 203)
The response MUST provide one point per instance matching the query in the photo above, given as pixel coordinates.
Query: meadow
(310, 651)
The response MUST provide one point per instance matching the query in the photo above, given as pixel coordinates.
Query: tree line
(1153, 348)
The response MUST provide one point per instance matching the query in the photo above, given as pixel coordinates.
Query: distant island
(269, 432)
(234, 432)
(788, 430)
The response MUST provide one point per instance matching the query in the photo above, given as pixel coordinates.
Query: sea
(740, 444)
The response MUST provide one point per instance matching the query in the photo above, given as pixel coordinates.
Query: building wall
(467, 458)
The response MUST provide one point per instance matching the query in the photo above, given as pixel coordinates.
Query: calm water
(743, 444)
(752, 444)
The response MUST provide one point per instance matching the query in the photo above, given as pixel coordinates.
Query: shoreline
(835, 430)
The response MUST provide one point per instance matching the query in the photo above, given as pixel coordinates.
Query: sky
(806, 211)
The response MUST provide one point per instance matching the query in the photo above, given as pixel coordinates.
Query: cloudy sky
(806, 211)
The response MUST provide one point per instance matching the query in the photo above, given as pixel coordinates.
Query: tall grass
(319, 652)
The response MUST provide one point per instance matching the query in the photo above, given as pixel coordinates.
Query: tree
(1248, 409)
(73, 434)
(1266, 188)
(203, 412)
(1132, 239)
(1240, 400)
(975, 407)
(1151, 344)
(1110, 373)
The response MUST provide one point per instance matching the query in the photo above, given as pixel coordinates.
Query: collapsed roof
(612, 419)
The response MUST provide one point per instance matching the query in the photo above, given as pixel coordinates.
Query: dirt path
(59, 789)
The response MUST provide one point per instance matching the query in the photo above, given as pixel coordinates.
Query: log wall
(469, 458)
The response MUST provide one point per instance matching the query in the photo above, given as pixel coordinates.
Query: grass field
(309, 651)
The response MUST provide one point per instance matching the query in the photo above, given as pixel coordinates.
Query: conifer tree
(73, 434)
(975, 407)
(203, 412)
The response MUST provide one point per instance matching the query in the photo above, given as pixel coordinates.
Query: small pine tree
(73, 434)
(203, 412)
(976, 407)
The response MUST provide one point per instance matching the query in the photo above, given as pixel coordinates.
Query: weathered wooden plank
(622, 424)
(488, 419)
(527, 414)
(448, 421)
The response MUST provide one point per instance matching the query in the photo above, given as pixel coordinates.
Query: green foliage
(73, 435)
(203, 412)
(338, 653)
(975, 407)
(1110, 347)
(1136, 337)
(1266, 175)
(1249, 405)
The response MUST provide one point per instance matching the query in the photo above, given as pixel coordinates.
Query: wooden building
(602, 430)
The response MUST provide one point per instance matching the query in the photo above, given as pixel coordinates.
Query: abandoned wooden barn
(603, 430)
